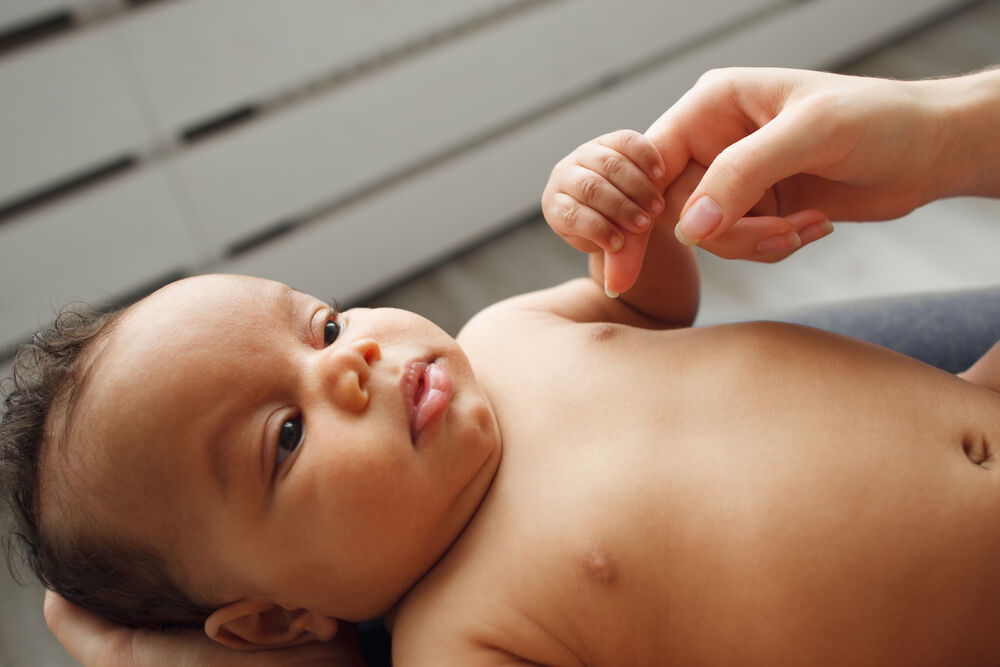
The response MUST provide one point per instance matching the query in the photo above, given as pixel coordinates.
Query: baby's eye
(289, 438)
(330, 332)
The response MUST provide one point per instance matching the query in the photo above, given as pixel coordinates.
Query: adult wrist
(970, 122)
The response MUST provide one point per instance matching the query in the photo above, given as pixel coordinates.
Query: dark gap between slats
(69, 185)
(260, 238)
(223, 121)
(38, 29)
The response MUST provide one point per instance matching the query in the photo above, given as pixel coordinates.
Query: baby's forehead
(217, 289)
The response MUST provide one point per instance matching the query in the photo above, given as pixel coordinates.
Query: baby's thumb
(739, 177)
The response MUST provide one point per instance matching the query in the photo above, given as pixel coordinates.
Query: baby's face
(273, 448)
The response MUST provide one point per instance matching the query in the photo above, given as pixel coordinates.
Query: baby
(573, 480)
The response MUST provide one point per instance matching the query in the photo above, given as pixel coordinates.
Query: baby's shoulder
(513, 322)
(463, 613)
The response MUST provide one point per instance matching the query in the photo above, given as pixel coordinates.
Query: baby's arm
(604, 199)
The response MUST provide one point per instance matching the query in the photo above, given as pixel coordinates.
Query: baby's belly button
(978, 448)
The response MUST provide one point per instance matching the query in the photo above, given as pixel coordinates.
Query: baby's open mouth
(427, 389)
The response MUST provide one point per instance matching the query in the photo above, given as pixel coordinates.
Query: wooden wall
(333, 145)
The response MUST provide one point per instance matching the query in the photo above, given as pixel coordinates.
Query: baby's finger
(633, 184)
(622, 268)
(571, 218)
(637, 148)
(596, 191)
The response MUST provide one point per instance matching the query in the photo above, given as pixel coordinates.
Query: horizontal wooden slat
(132, 84)
(15, 14)
(377, 241)
(66, 107)
(97, 247)
(283, 166)
(234, 52)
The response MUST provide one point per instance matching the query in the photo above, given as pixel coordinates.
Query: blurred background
(394, 153)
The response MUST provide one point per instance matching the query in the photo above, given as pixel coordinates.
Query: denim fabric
(949, 330)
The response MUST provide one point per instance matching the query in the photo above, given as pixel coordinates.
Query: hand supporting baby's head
(230, 444)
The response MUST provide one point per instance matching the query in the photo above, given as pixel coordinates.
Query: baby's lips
(433, 400)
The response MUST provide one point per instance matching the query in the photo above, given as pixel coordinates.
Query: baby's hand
(605, 195)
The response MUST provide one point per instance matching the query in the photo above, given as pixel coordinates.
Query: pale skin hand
(779, 142)
(95, 642)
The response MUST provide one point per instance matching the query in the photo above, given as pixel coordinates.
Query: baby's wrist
(968, 117)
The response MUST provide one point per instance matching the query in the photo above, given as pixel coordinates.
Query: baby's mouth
(427, 390)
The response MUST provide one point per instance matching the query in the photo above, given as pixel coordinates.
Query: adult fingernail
(815, 231)
(779, 242)
(699, 221)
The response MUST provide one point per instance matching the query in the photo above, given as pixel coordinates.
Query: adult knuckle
(729, 164)
(717, 77)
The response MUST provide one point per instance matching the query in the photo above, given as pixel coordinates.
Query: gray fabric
(949, 330)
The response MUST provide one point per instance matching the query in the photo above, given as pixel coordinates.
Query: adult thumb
(740, 176)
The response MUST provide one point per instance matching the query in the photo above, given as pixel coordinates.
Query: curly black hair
(124, 582)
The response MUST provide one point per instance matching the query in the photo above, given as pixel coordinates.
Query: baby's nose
(348, 371)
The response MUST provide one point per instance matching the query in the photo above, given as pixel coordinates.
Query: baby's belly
(846, 506)
(789, 495)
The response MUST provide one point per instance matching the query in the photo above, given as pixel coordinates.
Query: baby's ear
(247, 625)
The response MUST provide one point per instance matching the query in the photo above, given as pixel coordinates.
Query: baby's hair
(123, 582)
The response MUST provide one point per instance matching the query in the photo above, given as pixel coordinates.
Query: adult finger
(741, 174)
(92, 640)
(770, 238)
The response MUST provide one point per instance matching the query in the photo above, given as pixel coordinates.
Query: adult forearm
(970, 122)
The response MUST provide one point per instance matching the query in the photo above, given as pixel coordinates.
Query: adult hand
(781, 142)
(95, 642)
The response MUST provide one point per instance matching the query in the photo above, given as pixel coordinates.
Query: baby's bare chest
(650, 493)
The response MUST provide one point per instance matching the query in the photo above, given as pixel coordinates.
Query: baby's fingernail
(642, 221)
(657, 171)
(657, 206)
(610, 292)
(780, 242)
(815, 231)
(617, 242)
(699, 221)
